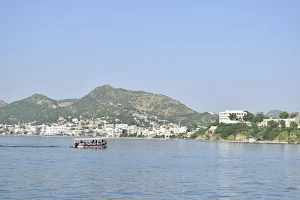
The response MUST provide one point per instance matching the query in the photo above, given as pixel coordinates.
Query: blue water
(46, 168)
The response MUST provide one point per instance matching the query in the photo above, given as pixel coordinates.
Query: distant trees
(293, 126)
(284, 115)
(254, 130)
(259, 117)
(293, 115)
(199, 132)
(191, 127)
(282, 124)
(248, 117)
(232, 116)
(272, 124)
(224, 130)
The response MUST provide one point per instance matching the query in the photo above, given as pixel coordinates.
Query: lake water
(46, 168)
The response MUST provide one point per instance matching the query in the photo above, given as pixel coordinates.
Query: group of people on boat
(93, 143)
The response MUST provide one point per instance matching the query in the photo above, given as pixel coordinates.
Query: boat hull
(90, 143)
(89, 146)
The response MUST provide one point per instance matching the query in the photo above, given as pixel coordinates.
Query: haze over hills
(119, 103)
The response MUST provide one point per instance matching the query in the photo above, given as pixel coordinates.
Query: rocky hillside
(118, 100)
(104, 101)
(109, 101)
(273, 114)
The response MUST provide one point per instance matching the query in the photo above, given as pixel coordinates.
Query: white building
(53, 130)
(287, 122)
(224, 116)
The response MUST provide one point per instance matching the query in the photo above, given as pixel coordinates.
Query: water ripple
(147, 169)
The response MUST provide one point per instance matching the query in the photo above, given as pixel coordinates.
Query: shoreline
(136, 138)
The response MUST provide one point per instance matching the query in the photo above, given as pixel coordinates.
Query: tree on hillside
(269, 132)
(232, 116)
(191, 127)
(284, 115)
(216, 123)
(293, 115)
(254, 129)
(248, 117)
(273, 124)
(224, 130)
(282, 124)
(259, 117)
(293, 126)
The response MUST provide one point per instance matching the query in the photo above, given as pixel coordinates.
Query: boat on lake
(89, 143)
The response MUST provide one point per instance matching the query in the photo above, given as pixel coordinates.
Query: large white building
(224, 116)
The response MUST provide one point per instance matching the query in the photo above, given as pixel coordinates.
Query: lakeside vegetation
(273, 131)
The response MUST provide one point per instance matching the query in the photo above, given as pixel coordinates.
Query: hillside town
(92, 127)
(103, 127)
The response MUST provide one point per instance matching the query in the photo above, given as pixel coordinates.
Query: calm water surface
(46, 168)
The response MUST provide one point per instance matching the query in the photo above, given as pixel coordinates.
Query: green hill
(2, 103)
(126, 105)
(37, 107)
(109, 101)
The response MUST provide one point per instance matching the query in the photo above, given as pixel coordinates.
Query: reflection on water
(45, 168)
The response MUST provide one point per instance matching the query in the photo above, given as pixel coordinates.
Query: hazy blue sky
(209, 55)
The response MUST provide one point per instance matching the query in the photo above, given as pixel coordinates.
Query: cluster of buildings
(102, 127)
(224, 117)
(94, 127)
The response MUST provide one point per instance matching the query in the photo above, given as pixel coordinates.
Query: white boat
(89, 143)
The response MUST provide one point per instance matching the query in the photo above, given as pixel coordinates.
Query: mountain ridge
(103, 101)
